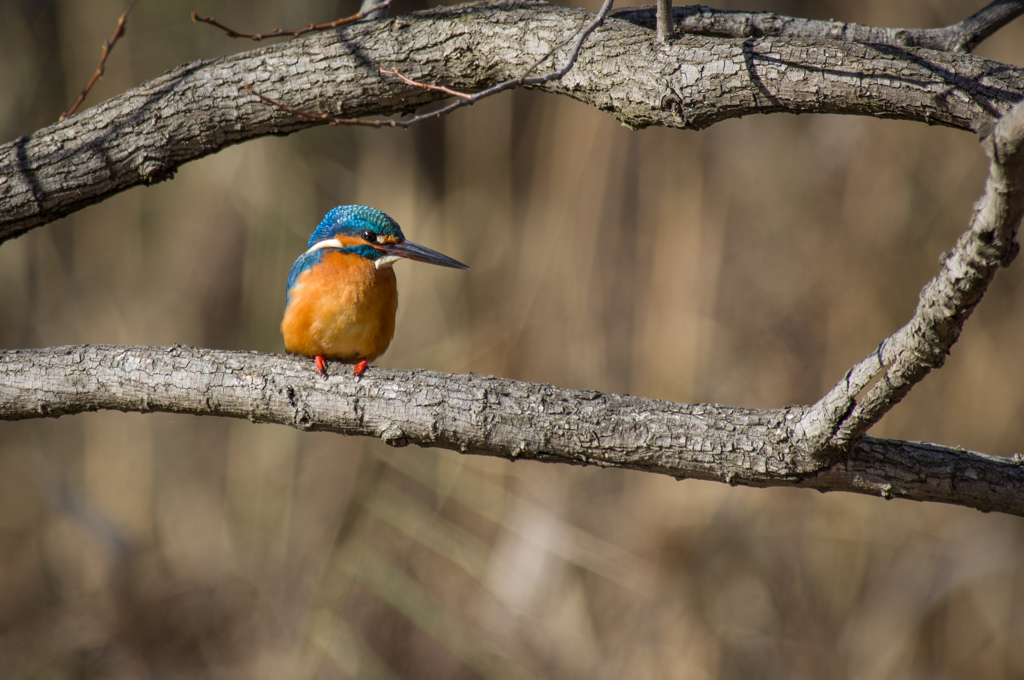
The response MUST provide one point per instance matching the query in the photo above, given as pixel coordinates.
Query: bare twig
(570, 60)
(524, 80)
(664, 20)
(373, 11)
(426, 86)
(945, 304)
(107, 46)
(963, 36)
(322, 116)
(464, 99)
(294, 33)
(63, 168)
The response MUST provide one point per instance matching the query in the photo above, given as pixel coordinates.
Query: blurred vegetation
(749, 264)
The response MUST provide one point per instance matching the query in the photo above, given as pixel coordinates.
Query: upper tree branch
(144, 135)
(497, 417)
(960, 37)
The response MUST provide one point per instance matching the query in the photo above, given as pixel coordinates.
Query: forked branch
(946, 302)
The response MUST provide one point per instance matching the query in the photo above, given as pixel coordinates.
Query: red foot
(321, 365)
(361, 367)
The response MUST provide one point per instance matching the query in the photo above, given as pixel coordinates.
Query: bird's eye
(369, 236)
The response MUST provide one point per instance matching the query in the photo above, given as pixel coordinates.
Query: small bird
(342, 294)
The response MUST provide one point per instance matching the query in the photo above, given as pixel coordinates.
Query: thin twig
(523, 80)
(463, 99)
(322, 116)
(373, 11)
(426, 86)
(292, 33)
(107, 46)
(574, 53)
(664, 20)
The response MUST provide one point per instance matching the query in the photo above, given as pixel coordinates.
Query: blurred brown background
(749, 264)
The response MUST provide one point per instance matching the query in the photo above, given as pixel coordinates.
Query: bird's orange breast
(342, 308)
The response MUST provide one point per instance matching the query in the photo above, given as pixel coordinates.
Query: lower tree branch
(945, 303)
(485, 415)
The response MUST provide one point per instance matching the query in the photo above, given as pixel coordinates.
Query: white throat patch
(386, 261)
(380, 263)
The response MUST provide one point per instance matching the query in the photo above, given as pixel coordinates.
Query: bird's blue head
(369, 233)
(360, 221)
(365, 232)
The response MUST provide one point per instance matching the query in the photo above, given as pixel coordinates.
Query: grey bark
(944, 305)
(145, 134)
(963, 36)
(663, 20)
(492, 416)
(375, 14)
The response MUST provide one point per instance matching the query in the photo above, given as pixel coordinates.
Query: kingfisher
(342, 293)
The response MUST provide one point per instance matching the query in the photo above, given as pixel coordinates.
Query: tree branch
(491, 416)
(969, 33)
(144, 135)
(962, 37)
(945, 303)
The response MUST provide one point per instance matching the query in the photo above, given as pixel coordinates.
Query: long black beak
(414, 251)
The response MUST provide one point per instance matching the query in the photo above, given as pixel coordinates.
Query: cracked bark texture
(692, 82)
(902, 360)
(497, 417)
(960, 37)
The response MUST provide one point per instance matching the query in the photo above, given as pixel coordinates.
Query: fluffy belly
(341, 310)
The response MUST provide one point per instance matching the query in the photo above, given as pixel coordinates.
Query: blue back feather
(305, 261)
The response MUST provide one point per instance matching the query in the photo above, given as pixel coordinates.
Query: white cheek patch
(329, 243)
(380, 263)
(386, 261)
